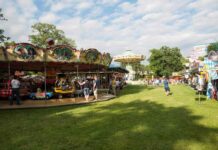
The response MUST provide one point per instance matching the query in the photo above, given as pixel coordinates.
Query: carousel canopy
(129, 56)
(25, 56)
(116, 67)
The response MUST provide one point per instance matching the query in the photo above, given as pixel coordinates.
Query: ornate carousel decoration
(92, 55)
(61, 53)
(106, 59)
(25, 51)
(28, 54)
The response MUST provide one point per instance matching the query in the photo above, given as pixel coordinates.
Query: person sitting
(39, 93)
(57, 83)
(63, 84)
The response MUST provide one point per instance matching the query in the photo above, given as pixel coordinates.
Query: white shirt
(117, 83)
(15, 83)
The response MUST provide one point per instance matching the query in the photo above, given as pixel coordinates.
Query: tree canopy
(212, 47)
(3, 38)
(165, 61)
(201, 58)
(43, 31)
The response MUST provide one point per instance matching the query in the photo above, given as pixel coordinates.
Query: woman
(85, 84)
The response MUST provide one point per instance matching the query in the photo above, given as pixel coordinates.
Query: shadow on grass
(134, 89)
(135, 125)
(201, 99)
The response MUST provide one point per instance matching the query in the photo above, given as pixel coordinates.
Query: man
(95, 87)
(117, 84)
(166, 86)
(15, 83)
(113, 84)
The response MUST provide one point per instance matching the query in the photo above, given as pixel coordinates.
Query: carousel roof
(25, 56)
(129, 56)
(116, 67)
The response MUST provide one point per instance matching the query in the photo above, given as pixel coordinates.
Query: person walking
(15, 83)
(96, 85)
(166, 86)
(85, 85)
(113, 84)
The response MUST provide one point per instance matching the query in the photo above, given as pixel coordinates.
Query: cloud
(49, 18)
(108, 2)
(84, 5)
(115, 25)
(20, 15)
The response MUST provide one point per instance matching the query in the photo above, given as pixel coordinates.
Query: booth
(210, 70)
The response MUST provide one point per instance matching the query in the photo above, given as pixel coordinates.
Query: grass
(139, 118)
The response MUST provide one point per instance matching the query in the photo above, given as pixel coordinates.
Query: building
(198, 51)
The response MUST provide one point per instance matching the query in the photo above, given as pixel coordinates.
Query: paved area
(4, 104)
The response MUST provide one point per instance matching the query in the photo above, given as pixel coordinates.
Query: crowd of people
(197, 82)
(87, 86)
(159, 81)
(209, 87)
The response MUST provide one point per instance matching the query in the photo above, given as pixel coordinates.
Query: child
(166, 86)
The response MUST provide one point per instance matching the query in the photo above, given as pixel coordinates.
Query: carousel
(52, 72)
(128, 58)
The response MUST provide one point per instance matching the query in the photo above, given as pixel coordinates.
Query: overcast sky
(117, 25)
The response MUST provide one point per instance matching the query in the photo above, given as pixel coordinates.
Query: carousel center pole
(77, 71)
(9, 70)
(50, 43)
(45, 74)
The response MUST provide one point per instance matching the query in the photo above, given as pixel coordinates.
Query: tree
(212, 47)
(68, 41)
(165, 61)
(43, 31)
(201, 58)
(3, 38)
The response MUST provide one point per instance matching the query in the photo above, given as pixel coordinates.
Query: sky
(117, 25)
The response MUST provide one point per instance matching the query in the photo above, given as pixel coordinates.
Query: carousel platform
(4, 104)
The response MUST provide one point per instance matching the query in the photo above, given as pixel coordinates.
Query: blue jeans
(167, 88)
(15, 93)
(86, 91)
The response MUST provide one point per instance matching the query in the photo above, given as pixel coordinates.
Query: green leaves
(212, 47)
(43, 31)
(3, 38)
(165, 60)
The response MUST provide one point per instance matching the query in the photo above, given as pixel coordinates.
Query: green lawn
(140, 118)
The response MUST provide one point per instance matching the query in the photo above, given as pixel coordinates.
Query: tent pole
(45, 74)
(77, 71)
